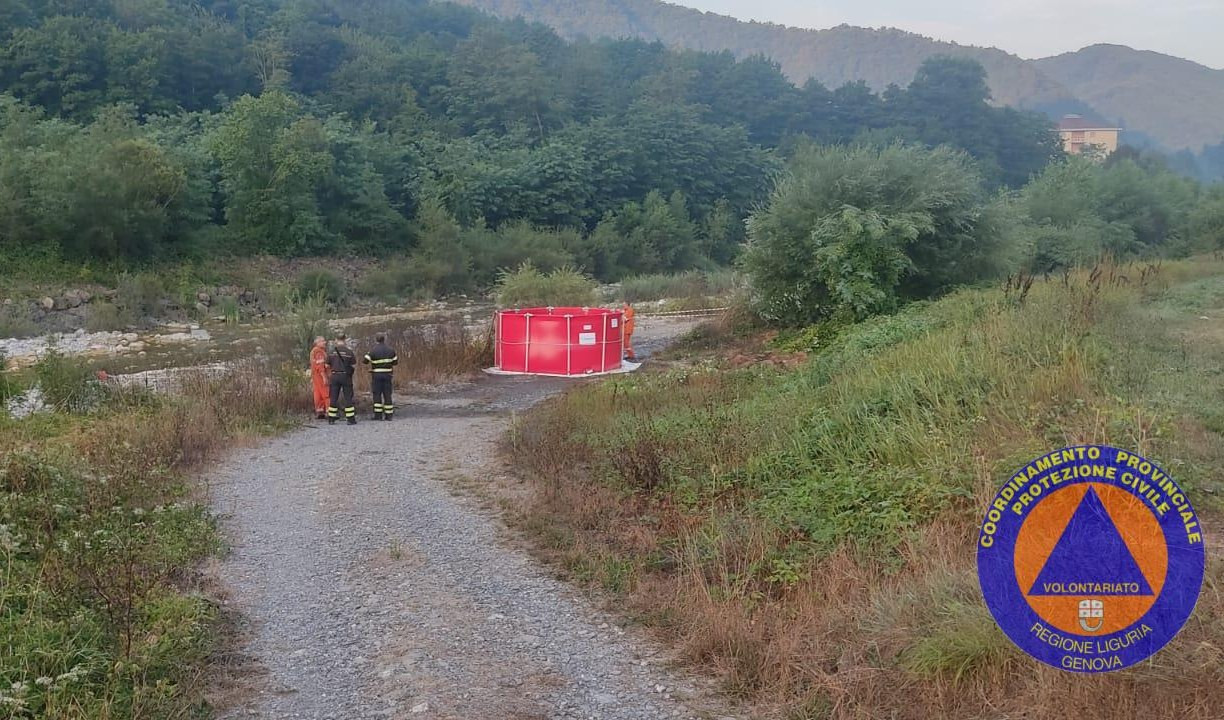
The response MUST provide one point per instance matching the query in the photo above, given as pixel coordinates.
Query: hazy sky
(1191, 29)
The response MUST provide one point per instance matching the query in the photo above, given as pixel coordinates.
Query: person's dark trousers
(341, 391)
(380, 384)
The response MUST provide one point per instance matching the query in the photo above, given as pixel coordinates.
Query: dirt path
(369, 589)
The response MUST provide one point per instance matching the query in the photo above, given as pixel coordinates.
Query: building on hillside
(1080, 136)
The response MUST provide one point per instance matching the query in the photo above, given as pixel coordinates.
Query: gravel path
(369, 589)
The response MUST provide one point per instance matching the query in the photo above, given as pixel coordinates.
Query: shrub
(104, 316)
(308, 319)
(67, 384)
(527, 287)
(512, 245)
(322, 283)
(15, 323)
(1078, 210)
(856, 231)
(140, 295)
(10, 387)
(412, 278)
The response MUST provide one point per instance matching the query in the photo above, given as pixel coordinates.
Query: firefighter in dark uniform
(341, 362)
(382, 361)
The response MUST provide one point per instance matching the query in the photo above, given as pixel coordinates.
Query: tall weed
(529, 287)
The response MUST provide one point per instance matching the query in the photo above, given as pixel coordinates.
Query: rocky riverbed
(26, 351)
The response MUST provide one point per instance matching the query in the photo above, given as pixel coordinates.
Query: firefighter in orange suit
(627, 312)
(319, 376)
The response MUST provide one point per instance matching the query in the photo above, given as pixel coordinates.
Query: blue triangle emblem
(1090, 558)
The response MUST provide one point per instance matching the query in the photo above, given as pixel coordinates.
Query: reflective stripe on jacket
(381, 359)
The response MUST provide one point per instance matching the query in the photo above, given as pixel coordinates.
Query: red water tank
(564, 341)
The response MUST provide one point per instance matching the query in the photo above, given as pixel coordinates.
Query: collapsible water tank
(565, 341)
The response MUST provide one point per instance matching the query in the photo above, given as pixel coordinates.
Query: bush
(68, 385)
(10, 387)
(412, 278)
(322, 283)
(140, 295)
(105, 316)
(308, 319)
(528, 287)
(91, 571)
(856, 231)
(1078, 210)
(512, 245)
(16, 324)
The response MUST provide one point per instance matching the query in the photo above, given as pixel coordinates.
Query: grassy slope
(101, 531)
(810, 533)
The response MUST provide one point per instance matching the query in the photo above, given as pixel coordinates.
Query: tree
(496, 83)
(109, 192)
(1078, 210)
(273, 159)
(855, 231)
(59, 66)
(948, 104)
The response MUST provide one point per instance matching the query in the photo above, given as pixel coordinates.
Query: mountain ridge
(1185, 113)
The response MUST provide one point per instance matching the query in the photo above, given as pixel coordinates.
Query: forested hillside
(181, 129)
(835, 56)
(1139, 88)
(1177, 103)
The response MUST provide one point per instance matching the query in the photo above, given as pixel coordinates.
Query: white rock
(420, 708)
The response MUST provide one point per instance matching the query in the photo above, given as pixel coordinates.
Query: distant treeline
(169, 128)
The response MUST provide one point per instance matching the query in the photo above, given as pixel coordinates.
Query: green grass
(101, 535)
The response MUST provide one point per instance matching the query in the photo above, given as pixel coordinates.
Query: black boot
(352, 421)
(378, 416)
(331, 421)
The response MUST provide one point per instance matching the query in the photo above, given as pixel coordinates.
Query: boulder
(46, 304)
(201, 308)
(72, 299)
(204, 299)
(59, 303)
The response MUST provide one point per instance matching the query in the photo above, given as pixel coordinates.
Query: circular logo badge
(1091, 558)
